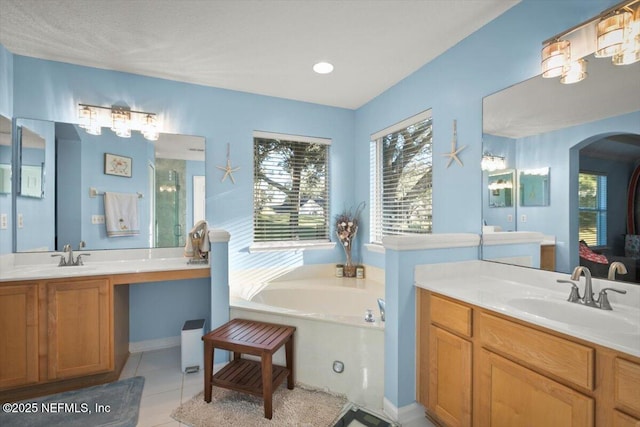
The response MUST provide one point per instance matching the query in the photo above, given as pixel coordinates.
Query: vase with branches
(346, 230)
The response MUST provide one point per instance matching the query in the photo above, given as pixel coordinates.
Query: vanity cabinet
(511, 395)
(477, 367)
(19, 333)
(79, 328)
(59, 334)
(448, 394)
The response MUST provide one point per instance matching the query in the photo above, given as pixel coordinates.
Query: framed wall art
(117, 165)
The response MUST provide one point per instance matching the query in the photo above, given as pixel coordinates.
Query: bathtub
(328, 313)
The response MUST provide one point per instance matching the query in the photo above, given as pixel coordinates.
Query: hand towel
(121, 214)
(199, 231)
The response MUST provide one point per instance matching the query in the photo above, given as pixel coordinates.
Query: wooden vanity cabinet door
(511, 395)
(18, 335)
(79, 325)
(449, 396)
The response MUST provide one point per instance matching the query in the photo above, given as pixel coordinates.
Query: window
(592, 207)
(290, 188)
(401, 178)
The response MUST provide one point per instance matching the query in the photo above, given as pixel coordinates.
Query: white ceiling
(260, 46)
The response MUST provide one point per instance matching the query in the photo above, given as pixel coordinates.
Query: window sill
(374, 247)
(290, 246)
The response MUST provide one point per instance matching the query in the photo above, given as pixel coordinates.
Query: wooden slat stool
(249, 376)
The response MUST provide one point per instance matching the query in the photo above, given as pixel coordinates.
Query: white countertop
(33, 266)
(502, 288)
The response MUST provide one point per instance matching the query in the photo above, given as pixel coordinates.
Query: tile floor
(166, 387)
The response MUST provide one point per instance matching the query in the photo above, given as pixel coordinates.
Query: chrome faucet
(67, 249)
(603, 300)
(587, 299)
(70, 261)
(616, 267)
(381, 306)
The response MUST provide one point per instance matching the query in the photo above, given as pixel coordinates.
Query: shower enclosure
(171, 201)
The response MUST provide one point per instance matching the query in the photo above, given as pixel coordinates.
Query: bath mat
(113, 404)
(300, 407)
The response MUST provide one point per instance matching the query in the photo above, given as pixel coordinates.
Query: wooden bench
(249, 376)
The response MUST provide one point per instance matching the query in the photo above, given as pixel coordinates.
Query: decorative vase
(349, 267)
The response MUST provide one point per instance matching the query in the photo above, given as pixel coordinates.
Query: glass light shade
(85, 116)
(630, 50)
(94, 129)
(576, 72)
(610, 34)
(121, 123)
(555, 58)
(149, 128)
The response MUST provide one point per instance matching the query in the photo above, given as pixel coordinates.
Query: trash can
(191, 346)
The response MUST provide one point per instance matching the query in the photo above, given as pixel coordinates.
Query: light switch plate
(4, 221)
(20, 220)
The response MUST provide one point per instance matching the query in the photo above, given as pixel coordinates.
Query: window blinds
(291, 189)
(401, 189)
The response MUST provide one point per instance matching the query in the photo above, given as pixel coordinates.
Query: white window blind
(290, 188)
(401, 178)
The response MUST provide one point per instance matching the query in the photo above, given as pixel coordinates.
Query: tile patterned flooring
(166, 387)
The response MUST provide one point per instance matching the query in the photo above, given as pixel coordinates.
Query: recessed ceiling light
(323, 68)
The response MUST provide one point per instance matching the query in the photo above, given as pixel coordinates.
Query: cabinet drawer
(453, 316)
(556, 356)
(627, 384)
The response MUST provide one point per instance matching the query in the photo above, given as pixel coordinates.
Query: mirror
(34, 221)
(6, 204)
(32, 162)
(533, 187)
(158, 173)
(501, 189)
(541, 125)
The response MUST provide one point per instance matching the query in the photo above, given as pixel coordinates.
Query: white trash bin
(192, 347)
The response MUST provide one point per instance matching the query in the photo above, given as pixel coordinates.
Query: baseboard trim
(405, 414)
(155, 344)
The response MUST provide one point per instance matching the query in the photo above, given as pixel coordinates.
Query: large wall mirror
(588, 135)
(79, 169)
(6, 203)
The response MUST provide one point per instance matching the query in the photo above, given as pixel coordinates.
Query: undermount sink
(576, 314)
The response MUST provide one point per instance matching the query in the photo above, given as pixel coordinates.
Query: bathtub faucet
(381, 306)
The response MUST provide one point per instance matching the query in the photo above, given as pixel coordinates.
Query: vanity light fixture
(492, 163)
(122, 120)
(617, 35)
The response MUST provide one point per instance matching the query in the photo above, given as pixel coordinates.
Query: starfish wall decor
(228, 170)
(453, 154)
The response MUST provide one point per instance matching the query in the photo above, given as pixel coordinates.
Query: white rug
(299, 407)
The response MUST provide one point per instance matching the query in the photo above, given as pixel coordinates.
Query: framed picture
(117, 165)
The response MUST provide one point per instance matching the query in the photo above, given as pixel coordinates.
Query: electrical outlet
(97, 219)
(509, 218)
(4, 221)
(523, 218)
(20, 221)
